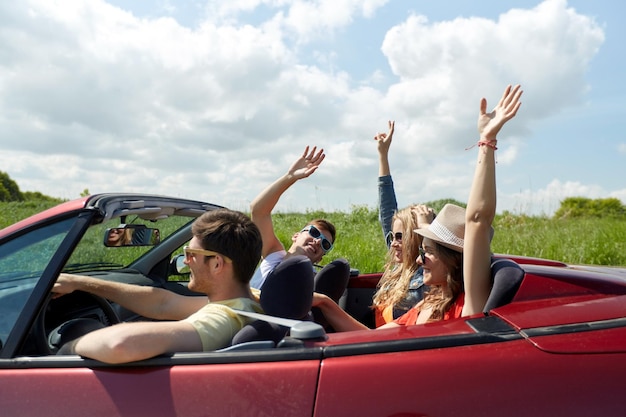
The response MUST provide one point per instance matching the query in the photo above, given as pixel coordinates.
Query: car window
(22, 261)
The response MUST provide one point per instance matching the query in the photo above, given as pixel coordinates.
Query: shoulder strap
(298, 329)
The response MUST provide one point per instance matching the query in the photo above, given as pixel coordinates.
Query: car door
(271, 382)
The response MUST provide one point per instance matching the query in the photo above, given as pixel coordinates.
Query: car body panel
(282, 388)
(509, 378)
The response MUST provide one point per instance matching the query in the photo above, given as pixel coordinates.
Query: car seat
(287, 293)
(331, 280)
(506, 277)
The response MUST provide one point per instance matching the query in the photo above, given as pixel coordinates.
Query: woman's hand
(425, 215)
(384, 139)
(489, 124)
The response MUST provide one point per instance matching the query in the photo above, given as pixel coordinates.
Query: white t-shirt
(266, 266)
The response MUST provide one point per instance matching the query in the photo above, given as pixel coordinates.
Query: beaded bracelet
(489, 143)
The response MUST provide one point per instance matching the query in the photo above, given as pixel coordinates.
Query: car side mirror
(131, 235)
(178, 267)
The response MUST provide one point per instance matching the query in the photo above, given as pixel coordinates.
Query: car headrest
(333, 278)
(288, 289)
(507, 277)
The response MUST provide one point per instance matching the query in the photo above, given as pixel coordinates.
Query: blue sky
(214, 100)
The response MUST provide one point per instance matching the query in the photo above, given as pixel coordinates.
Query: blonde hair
(394, 283)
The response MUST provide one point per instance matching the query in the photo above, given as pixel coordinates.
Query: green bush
(9, 191)
(576, 207)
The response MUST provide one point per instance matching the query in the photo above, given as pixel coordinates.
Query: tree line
(10, 191)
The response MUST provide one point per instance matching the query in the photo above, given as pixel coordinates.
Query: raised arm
(481, 205)
(387, 203)
(155, 303)
(262, 206)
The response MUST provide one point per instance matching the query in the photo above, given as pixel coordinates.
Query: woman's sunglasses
(316, 234)
(391, 236)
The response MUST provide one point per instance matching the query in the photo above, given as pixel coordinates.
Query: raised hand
(384, 139)
(307, 163)
(489, 124)
(425, 215)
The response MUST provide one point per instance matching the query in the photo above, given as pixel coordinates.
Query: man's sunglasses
(316, 234)
(391, 236)
(190, 251)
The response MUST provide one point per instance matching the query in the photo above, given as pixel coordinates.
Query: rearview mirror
(131, 235)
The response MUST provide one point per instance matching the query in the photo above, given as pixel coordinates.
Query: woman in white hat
(456, 256)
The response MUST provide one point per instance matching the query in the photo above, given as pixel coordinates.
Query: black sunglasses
(422, 255)
(391, 236)
(316, 234)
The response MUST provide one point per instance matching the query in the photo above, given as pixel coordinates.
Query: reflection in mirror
(181, 267)
(131, 235)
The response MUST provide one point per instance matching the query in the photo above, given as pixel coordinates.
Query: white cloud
(102, 99)
(619, 194)
(547, 200)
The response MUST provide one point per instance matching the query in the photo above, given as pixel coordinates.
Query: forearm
(338, 318)
(113, 345)
(265, 202)
(481, 204)
(387, 203)
(145, 301)
(129, 342)
(383, 164)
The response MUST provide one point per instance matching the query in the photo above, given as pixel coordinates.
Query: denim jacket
(414, 295)
(387, 207)
(387, 203)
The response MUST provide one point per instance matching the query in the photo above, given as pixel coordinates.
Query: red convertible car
(551, 342)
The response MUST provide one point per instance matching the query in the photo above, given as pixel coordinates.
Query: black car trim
(177, 359)
(575, 327)
(422, 343)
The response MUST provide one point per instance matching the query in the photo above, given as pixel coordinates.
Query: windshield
(22, 261)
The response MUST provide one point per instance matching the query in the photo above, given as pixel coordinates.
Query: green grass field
(600, 241)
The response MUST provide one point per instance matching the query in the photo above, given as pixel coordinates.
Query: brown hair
(394, 283)
(325, 224)
(441, 298)
(234, 235)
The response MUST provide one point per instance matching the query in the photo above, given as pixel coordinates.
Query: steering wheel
(48, 342)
